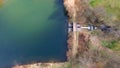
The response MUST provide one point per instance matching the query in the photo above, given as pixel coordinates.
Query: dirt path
(71, 7)
(75, 39)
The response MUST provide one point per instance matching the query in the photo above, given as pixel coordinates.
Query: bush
(109, 44)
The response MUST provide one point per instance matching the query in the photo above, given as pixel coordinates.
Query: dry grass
(45, 65)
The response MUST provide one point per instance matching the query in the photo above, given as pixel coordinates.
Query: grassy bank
(112, 6)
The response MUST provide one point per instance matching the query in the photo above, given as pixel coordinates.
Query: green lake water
(32, 31)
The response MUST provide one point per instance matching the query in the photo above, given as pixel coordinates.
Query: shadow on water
(60, 14)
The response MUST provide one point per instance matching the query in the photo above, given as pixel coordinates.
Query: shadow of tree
(59, 13)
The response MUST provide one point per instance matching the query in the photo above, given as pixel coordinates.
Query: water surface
(32, 31)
